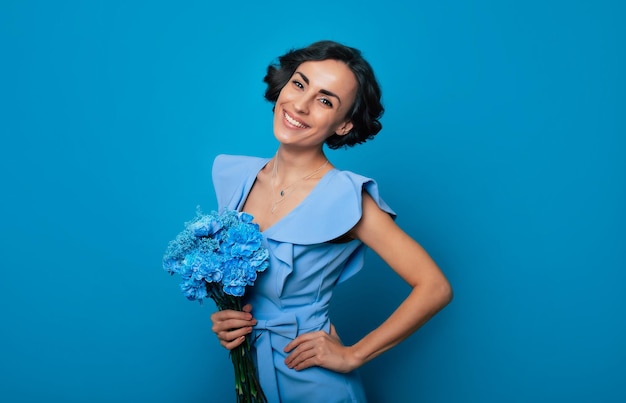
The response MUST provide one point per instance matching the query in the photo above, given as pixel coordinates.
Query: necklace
(283, 191)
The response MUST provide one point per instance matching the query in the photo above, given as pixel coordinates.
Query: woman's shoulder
(227, 161)
(226, 167)
(232, 175)
(346, 176)
(348, 182)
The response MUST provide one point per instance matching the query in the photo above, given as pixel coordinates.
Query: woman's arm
(430, 293)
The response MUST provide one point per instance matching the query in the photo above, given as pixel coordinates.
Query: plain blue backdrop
(503, 152)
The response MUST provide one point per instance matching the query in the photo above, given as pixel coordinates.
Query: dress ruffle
(319, 217)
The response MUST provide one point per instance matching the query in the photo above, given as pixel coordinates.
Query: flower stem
(247, 385)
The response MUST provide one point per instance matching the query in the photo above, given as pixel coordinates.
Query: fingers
(232, 344)
(308, 350)
(310, 336)
(302, 339)
(227, 314)
(319, 349)
(232, 326)
(229, 319)
(231, 333)
(306, 357)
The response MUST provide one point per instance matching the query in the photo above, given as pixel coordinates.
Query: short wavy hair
(367, 107)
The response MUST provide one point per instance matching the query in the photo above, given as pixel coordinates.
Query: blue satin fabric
(292, 297)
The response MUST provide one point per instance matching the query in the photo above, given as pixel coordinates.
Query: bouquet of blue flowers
(218, 256)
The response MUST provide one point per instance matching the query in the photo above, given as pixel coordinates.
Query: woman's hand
(320, 349)
(231, 327)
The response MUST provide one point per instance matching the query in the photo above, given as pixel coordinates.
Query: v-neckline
(251, 183)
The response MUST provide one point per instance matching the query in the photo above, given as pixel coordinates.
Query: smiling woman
(317, 222)
(306, 110)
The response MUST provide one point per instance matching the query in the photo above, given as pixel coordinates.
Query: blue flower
(194, 289)
(235, 279)
(204, 225)
(221, 249)
(246, 218)
(244, 240)
(179, 247)
(171, 265)
(260, 260)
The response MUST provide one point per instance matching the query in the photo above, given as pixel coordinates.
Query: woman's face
(314, 104)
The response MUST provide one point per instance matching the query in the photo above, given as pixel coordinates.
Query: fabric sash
(285, 325)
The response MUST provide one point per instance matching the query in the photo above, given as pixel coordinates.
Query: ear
(344, 128)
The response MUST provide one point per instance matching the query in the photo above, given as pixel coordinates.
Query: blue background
(502, 151)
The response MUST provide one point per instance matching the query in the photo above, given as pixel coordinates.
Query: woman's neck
(289, 166)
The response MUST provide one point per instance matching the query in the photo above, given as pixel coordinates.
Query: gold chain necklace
(282, 193)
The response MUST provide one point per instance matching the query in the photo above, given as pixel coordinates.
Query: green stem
(247, 386)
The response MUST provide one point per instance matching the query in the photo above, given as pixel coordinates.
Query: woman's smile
(294, 122)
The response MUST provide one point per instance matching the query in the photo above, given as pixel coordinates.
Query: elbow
(442, 293)
(449, 294)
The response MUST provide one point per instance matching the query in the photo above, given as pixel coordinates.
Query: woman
(317, 222)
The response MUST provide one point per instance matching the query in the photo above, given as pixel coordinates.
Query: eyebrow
(322, 91)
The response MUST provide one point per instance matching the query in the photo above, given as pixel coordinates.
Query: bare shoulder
(374, 223)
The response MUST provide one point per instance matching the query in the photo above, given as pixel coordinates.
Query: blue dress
(292, 297)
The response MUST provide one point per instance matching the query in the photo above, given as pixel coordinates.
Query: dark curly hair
(367, 108)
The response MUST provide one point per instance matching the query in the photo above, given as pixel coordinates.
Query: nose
(301, 103)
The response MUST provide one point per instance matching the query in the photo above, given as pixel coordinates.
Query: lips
(293, 121)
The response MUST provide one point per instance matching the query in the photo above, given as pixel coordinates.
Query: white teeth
(294, 122)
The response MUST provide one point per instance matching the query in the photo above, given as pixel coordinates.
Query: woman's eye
(298, 84)
(326, 102)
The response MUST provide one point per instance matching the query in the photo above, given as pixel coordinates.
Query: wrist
(355, 358)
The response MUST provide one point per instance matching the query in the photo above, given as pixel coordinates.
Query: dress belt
(285, 325)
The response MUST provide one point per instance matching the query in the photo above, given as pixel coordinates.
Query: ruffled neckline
(274, 229)
(329, 211)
